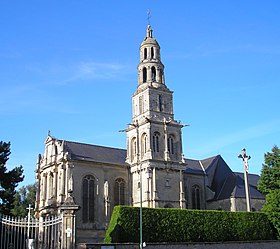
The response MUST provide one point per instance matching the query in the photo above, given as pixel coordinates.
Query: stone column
(55, 177)
(68, 210)
(155, 194)
(158, 75)
(43, 190)
(62, 183)
(166, 152)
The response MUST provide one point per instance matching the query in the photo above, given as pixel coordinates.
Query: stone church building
(102, 177)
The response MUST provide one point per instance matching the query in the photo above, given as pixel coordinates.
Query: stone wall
(228, 245)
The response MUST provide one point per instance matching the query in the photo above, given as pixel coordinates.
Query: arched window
(153, 74)
(170, 144)
(160, 103)
(88, 199)
(119, 192)
(144, 74)
(156, 142)
(144, 143)
(195, 197)
(133, 148)
(152, 52)
(145, 53)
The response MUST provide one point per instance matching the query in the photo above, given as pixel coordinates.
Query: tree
(269, 184)
(24, 197)
(8, 179)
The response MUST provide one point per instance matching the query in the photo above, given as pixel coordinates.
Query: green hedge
(274, 217)
(176, 225)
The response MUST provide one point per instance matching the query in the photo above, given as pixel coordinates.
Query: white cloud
(257, 131)
(97, 70)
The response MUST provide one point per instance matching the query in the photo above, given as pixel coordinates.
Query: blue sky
(71, 67)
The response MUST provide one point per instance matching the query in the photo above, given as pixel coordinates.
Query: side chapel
(103, 177)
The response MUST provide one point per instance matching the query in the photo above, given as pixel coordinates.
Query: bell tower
(154, 143)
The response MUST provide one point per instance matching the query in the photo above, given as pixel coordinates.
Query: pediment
(48, 139)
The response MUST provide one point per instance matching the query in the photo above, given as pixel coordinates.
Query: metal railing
(22, 233)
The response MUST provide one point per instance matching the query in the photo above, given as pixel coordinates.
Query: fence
(23, 233)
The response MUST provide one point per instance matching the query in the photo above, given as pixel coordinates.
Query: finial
(149, 31)
(149, 16)
(49, 132)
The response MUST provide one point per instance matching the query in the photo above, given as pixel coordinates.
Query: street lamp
(136, 126)
(245, 159)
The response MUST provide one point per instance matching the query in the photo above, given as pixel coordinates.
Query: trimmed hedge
(274, 217)
(177, 225)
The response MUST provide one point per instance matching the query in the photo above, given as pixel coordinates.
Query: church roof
(220, 176)
(239, 189)
(193, 167)
(221, 179)
(226, 183)
(95, 153)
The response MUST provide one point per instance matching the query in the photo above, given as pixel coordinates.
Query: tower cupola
(150, 68)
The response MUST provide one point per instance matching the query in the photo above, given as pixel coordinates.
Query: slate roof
(95, 153)
(239, 189)
(226, 183)
(193, 167)
(221, 179)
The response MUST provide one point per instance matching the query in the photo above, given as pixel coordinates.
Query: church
(151, 171)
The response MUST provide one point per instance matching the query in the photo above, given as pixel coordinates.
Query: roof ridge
(95, 145)
(237, 172)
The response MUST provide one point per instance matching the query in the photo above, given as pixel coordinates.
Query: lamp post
(136, 126)
(245, 159)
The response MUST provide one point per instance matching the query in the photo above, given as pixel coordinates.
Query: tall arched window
(119, 192)
(145, 53)
(152, 52)
(156, 142)
(133, 148)
(160, 103)
(144, 74)
(170, 144)
(88, 199)
(153, 74)
(195, 197)
(144, 144)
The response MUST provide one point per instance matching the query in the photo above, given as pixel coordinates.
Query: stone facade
(152, 171)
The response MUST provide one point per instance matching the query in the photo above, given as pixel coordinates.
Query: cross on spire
(149, 14)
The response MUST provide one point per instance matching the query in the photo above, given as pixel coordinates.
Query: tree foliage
(8, 179)
(269, 184)
(24, 197)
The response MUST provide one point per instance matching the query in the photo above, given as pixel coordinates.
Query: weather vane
(149, 16)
